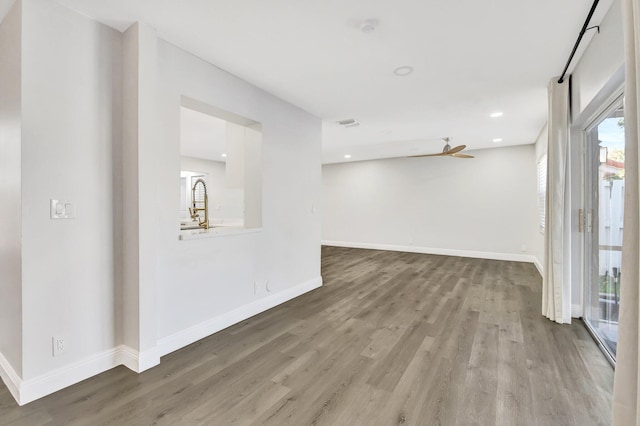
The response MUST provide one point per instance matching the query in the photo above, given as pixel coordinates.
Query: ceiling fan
(448, 151)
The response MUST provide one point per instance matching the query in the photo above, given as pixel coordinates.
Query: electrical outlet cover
(58, 345)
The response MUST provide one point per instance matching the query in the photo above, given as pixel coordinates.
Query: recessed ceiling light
(402, 71)
(497, 114)
(497, 140)
(347, 156)
(223, 155)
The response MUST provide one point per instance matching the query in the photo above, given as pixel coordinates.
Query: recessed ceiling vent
(369, 25)
(349, 122)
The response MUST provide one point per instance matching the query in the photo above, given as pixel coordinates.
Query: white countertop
(215, 231)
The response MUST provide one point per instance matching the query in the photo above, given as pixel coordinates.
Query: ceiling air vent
(349, 122)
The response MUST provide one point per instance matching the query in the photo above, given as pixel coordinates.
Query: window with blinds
(542, 191)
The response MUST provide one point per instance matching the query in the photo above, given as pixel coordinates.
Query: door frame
(591, 199)
(601, 103)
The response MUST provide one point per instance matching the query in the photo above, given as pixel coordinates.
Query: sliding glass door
(603, 223)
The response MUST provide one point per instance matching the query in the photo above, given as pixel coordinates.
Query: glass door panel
(604, 224)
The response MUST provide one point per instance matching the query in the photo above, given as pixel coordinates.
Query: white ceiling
(202, 135)
(470, 58)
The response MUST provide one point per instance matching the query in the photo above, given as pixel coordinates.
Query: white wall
(70, 121)
(600, 61)
(253, 177)
(10, 189)
(97, 129)
(200, 280)
(6, 6)
(485, 205)
(136, 289)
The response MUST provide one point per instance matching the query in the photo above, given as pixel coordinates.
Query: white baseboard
(51, 382)
(10, 377)
(538, 265)
(440, 251)
(128, 357)
(148, 359)
(576, 311)
(193, 334)
(138, 361)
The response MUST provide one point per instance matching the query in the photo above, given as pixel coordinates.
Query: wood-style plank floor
(391, 338)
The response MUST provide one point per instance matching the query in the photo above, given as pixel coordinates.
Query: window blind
(542, 191)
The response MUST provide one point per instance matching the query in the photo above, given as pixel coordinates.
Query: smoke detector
(349, 122)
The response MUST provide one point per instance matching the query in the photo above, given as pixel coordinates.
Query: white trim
(199, 331)
(538, 265)
(10, 377)
(608, 94)
(215, 232)
(26, 391)
(128, 357)
(576, 311)
(148, 359)
(48, 383)
(440, 251)
(138, 361)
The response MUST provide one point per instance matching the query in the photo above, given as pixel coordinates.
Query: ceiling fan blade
(456, 149)
(462, 156)
(440, 154)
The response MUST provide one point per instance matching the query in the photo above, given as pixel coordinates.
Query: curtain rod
(575, 47)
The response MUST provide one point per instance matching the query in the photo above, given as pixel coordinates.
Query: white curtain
(626, 389)
(555, 297)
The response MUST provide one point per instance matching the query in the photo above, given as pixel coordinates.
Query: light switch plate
(62, 209)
